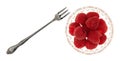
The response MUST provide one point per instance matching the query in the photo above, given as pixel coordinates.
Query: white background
(19, 18)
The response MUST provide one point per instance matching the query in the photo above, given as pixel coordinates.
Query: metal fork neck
(27, 38)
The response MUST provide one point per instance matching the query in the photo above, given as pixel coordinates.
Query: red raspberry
(81, 18)
(90, 45)
(92, 14)
(79, 43)
(102, 39)
(94, 37)
(72, 26)
(86, 28)
(79, 33)
(92, 23)
(102, 26)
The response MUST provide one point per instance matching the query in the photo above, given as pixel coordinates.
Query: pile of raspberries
(88, 30)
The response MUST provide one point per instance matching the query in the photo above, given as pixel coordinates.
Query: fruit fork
(59, 16)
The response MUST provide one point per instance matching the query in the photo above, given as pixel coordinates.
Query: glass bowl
(109, 32)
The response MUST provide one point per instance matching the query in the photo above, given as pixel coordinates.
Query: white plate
(109, 32)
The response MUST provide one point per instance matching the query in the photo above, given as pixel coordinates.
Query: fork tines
(63, 13)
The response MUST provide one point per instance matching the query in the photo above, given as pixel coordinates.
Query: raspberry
(81, 18)
(102, 27)
(102, 39)
(94, 37)
(79, 43)
(92, 23)
(90, 45)
(72, 26)
(79, 33)
(92, 14)
(86, 28)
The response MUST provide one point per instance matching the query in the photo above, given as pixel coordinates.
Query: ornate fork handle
(14, 47)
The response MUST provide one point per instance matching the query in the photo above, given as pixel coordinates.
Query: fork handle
(14, 47)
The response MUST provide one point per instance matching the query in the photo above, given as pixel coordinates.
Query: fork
(60, 15)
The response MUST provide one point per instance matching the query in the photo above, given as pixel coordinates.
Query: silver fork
(60, 15)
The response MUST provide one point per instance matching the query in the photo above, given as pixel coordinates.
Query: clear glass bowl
(109, 32)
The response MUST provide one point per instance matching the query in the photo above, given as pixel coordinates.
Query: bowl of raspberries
(89, 30)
